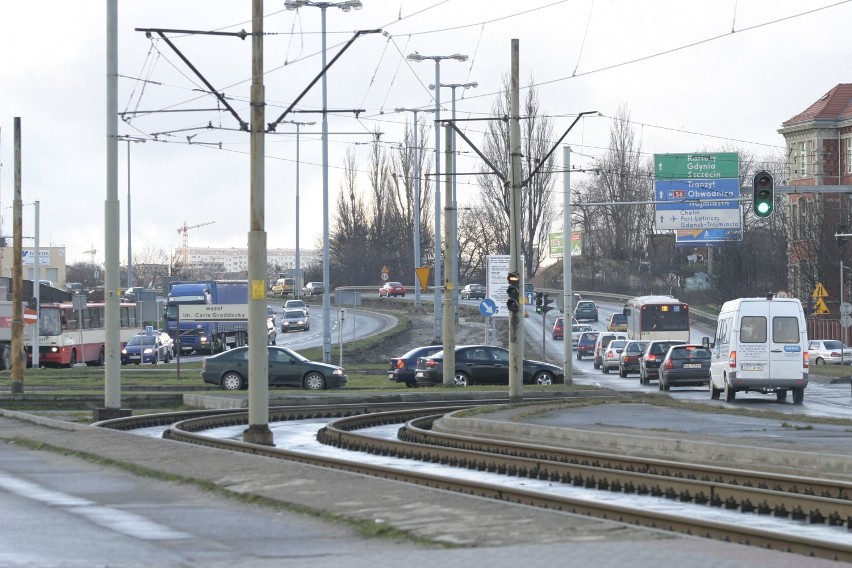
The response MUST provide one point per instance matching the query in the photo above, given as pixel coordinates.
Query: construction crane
(91, 252)
(185, 230)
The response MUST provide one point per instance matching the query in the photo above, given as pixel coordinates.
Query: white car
(576, 330)
(829, 352)
(612, 355)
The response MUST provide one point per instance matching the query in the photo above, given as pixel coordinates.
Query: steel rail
(354, 416)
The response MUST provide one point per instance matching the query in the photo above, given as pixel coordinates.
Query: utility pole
(567, 289)
(18, 362)
(449, 322)
(516, 328)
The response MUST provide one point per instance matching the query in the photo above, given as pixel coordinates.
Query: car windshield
(394, 285)
(295, 304)
(834, 345)
(294, 314)
(585, 305)
(142, 340)
(690, 353)
(619, 318)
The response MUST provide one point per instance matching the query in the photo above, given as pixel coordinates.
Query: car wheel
(605, 369)
(798, 395)
(232, 381)
(543, 378)
(730, 393)
(781, 395)
(579, 357)
(314, 381)
(714, 392)
(462, 379)
(622, 372)
(643, 379)
(820, 361)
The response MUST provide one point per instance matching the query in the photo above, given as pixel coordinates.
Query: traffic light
(763, 198)
(545, 305)
(513, 303)
(539, 302)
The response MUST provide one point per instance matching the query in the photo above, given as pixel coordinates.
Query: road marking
(129, 524)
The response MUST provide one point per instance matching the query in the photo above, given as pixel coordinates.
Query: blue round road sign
(488, 307)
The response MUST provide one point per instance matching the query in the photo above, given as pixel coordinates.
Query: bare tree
(537, 212)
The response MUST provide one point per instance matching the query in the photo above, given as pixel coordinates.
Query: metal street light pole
(416, 220)
(437, 59)
(326, 304)
(298, 279)
(454, 212)
(128, 139)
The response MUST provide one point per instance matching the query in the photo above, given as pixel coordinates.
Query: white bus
(64, 341)
(657, 317)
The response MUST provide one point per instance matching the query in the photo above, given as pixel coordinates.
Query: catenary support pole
(258, 431)
(516, 327)
(447, 307)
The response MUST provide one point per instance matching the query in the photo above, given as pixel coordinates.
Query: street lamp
(326, 304)
(437, 59)
(297, 276)
(416, 202)
(129, 139)
(454, 203)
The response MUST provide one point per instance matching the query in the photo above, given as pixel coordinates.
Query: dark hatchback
(402, 368)
(586, 344)
(629, 359)
(649, 364)
(684, 366)
(287, 368)
(484, 365)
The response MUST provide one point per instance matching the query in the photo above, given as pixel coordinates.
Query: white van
(760, 345)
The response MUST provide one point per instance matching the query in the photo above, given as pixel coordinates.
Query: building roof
(834, 105)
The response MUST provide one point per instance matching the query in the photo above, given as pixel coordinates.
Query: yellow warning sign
(820, 308)
(820, 292)
(423, 276)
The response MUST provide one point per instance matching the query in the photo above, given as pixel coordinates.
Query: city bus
(657, 317)
(64, 340)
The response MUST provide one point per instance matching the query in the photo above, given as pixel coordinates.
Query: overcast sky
(694, 75)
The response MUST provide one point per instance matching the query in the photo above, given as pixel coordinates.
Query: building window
(849, 155)
(799, 159)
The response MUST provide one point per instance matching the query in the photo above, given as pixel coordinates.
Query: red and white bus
(657, 317)
(68, 336)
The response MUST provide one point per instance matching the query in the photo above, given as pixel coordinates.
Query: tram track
(809, 500)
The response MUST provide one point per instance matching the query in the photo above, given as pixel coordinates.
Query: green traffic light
(763, 209)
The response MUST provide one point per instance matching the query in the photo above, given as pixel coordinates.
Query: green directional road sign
(714, 165)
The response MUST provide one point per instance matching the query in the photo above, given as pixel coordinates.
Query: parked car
(630, 355)
(617, 322)
(389, 289)
(148, 347)
(576, 330)
(402, 368)
(296, 305)
(295, 320)
(558, 330)
(586, 344)
(829, 352)
(649, 364)
(601, 344)
(612, 354)
(484, 364)
(312, 289)
(685, 365)
(472, 292)
(586, 310)
(287, 368)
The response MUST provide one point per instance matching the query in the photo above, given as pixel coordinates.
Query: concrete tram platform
(464, 530)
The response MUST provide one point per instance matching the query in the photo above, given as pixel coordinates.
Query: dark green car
(287, 368)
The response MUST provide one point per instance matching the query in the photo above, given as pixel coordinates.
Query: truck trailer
(207, 336)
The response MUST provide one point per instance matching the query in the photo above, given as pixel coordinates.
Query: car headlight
(148, 351)
(124, 351)
(202, 339)
(338, 372)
